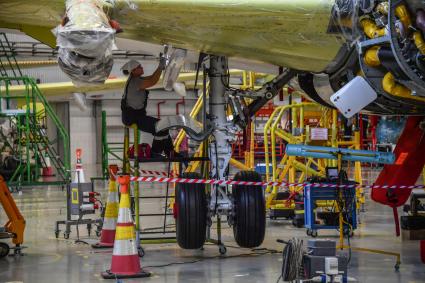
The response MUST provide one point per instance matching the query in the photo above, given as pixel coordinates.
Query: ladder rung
(11, 112)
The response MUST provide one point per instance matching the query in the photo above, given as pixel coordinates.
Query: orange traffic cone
(125, 259)
(79, 172)
(107, 236)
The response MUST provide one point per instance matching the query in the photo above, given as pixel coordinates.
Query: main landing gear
(243, 205)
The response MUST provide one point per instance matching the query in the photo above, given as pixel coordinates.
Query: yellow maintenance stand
(292, 169)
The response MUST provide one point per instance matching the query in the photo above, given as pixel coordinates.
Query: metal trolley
(341, 197)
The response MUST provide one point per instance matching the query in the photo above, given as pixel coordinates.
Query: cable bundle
(292, 260)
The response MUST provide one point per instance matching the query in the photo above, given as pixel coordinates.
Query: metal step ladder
(23, 104)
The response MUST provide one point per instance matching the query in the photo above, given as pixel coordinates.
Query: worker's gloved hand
(162, 62)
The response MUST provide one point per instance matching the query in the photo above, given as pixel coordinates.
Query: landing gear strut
(244, 206)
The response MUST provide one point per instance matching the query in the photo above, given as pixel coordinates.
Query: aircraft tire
(249, 211)
(191, 213)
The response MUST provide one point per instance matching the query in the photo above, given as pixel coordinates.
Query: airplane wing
(281, 33)
(380, 43)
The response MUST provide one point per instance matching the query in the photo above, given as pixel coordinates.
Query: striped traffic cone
(107, 236)
(79, 172)
(125, 259)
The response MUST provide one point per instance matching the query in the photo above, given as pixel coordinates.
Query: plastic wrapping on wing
(85, 42)
(84, 70)
(345, 18)
(87, 30)
(91, 43)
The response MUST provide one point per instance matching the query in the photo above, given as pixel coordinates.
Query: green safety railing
(110, 150)
(27, 123)
(9, 67)
(28, 120)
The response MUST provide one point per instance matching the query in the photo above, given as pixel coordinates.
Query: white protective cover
(353, 97)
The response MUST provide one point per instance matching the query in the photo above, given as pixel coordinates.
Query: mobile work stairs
(26, 113)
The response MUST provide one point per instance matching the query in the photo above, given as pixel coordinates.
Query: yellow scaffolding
(288, 166)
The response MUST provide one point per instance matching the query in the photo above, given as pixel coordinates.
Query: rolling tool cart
(344, 202)
(335, 192)
(81, 200)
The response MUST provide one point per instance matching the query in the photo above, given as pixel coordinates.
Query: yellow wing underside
(289, 33)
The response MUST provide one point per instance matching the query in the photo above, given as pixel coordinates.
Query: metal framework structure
(294, 169)
(27, 113)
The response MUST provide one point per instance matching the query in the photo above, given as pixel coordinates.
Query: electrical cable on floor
(221, 257)
(78, 233)
(156, 228)
(271, 251)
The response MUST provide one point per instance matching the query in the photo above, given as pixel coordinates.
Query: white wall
(82, 133)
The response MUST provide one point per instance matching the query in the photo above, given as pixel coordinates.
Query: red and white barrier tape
(157, 173)
(273, 184)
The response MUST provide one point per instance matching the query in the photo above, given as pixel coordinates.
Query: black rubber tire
(250, 211)
(4, 250)
(308, 232)
(191, 213)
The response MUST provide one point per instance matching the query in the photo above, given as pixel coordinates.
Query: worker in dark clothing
(134, 102)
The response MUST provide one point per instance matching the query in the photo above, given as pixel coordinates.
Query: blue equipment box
(261, 168)
(315, 192)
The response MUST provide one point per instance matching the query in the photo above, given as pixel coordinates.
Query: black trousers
(162, 141)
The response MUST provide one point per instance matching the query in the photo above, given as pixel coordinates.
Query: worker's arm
(152, 80)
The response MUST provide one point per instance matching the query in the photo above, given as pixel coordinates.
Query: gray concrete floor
(48, 259)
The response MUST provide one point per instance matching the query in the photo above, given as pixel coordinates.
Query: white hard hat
(130, 65)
